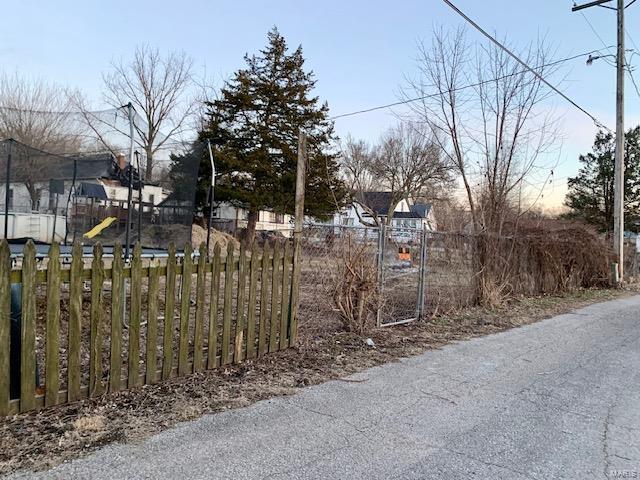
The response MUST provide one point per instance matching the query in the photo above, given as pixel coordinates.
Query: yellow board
(100, 227)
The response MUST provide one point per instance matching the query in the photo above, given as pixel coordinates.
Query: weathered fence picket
(284, 305)
(185, 305)
(28, 330)
(135, 313)
(198, 329)
(152, 324)
(264, 299)
(226, 314)
(212, 344)
(117, 306)
(239, 340)
(5, 327)
(275, 286)
(169, 312)
(52, 328)
(95, 352)
(107, 299)
(251, 303)
(75, 322)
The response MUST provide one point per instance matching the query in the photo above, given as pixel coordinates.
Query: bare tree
(38, 115)
(407, 163)
(159, 89)
(486, 113)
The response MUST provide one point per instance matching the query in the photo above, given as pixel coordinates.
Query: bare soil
(41, 440)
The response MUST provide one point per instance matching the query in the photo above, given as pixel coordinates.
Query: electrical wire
(595, 120)
(416, 99)
(595, 31)
(633, 80)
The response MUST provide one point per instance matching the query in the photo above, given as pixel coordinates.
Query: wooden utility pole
(297, 237)
(618, 229)
(618, 199)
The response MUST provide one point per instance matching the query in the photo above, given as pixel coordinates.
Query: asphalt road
(556, 399)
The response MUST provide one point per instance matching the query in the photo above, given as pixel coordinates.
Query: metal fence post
(423, 272)
(380, 246)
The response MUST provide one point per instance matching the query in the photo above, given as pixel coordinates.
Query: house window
(152, 199)
(279, 217)
(10, 198)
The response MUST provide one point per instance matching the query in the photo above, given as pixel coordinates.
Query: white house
(406, 215)
(229, 218)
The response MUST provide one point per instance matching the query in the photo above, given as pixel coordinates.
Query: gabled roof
(421, 209)
(92, 190)
(376, 201)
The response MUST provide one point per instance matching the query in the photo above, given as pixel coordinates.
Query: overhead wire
(595, 120)
(463, 87)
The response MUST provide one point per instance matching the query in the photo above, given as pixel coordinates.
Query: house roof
(422, 209)
(376, 201)
(379, 203)
(406, 215)
(92, 190)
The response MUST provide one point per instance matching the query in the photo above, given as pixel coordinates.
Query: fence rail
(91, 328)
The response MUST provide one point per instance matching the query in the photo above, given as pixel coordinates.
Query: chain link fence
(415, 273)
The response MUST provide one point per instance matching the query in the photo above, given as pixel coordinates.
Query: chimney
(122, 161)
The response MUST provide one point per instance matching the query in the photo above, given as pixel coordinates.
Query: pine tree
(254, 126)
(590, 196)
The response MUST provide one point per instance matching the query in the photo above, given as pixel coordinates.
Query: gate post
(422, 282)
(381, 245)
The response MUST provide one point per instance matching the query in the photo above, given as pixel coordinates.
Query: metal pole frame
(210, 195)
(422, 283)
(127, 236)
(381, 246)
(140, 186)
(6, 191)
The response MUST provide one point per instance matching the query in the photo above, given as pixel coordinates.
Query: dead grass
(41, 440)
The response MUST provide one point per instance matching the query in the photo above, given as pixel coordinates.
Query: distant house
(48, 194)
(229, 218)
(371, 206)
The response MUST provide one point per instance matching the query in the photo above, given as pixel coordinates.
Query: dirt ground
(41, 440)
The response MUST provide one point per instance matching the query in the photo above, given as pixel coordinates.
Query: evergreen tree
(590, 197)
(254, 126)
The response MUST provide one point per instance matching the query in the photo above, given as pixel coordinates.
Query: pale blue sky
(359, 50)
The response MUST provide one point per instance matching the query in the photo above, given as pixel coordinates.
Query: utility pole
(618, 204)
(618, 201)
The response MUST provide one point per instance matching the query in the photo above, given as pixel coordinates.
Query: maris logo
(623, 474)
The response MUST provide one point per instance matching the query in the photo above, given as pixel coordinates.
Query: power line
(521, 62)
(633, 80)
(423, 97)
(60, 112)
(594, 31)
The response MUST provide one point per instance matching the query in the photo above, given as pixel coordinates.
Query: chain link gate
(402, 265)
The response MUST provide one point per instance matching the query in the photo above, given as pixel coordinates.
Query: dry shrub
(355, 293)
(548, 257)
(90, 423)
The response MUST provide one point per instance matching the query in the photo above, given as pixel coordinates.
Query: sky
(360, 51)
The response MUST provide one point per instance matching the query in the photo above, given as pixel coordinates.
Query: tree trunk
(250, 231)
(149, 168)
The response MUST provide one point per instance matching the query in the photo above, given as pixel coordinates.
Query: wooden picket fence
(91, 329)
